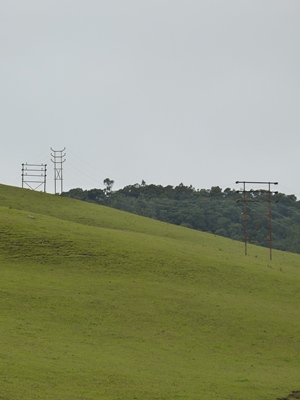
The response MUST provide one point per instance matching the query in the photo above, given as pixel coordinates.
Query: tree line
(214, 210)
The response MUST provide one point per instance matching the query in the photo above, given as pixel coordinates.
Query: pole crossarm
(257, 183)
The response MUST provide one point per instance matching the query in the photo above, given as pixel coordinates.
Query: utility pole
(58, 160)
(245, 201)
(34, 175)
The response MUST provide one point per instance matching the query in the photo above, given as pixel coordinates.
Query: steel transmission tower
(58, 160)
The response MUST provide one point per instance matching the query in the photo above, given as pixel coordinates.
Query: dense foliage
(217, 211)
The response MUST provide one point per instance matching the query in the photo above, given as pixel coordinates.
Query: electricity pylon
(34, 175)
(58, 160)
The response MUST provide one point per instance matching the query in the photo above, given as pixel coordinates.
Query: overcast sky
(203, 92)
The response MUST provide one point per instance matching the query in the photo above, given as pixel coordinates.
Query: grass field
(101, 304)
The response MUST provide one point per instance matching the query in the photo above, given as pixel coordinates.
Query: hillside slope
(101, 304)
(209, 210)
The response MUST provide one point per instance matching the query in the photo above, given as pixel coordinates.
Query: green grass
(100, 304)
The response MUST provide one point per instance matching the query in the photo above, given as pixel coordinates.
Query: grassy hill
(101, 304)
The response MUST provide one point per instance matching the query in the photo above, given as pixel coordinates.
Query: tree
(108, 186)
(210, 210)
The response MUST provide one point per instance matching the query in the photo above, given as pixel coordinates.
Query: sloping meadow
(101, 304)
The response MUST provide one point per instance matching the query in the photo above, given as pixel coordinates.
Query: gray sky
(203, 92)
